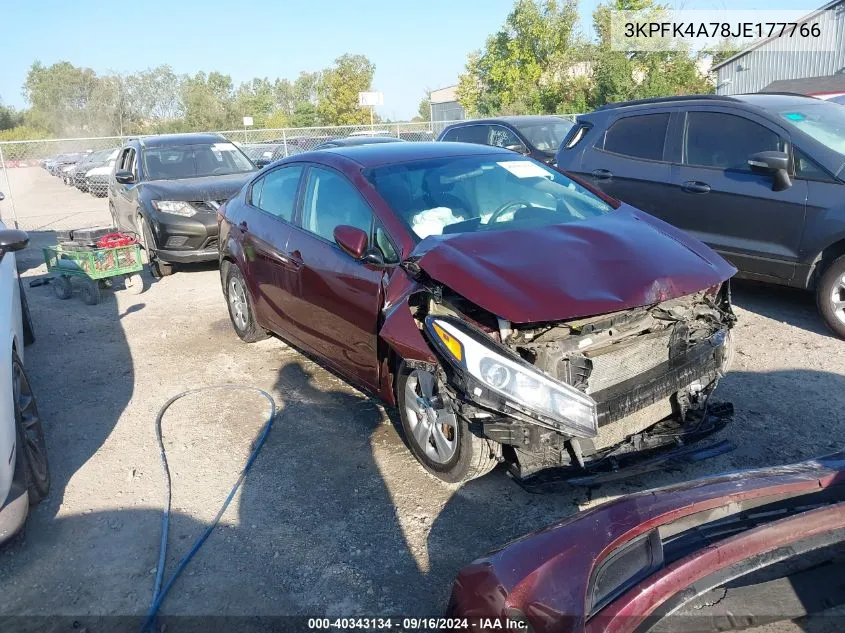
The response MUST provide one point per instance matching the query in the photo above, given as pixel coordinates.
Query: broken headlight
(570, 410)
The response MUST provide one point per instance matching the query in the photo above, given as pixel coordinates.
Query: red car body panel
(622, 260)
(546, 575)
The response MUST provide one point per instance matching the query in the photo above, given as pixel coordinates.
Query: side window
(500, 136)
(452, 135)
(275, 193)
(477, 134)
(807, 168)
(131, 164)
(383, 243)
(638, 136)
(331, 200)
(725, 141)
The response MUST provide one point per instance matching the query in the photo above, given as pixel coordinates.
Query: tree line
(539, 62)
(65, 100)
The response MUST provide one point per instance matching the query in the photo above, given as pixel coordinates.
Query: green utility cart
(95, 268)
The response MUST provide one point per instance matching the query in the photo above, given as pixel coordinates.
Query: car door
(717, 198)
(629, 161)
(265, 228)
(336, 300)
(126, 194)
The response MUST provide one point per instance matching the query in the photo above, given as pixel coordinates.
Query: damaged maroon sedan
(512, 314)
(724, 553)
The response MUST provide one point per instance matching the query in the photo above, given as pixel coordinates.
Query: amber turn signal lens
(452, 344)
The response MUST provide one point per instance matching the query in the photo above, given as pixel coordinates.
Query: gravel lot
(336, 517)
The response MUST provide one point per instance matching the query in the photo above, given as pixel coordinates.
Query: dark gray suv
(760, 178)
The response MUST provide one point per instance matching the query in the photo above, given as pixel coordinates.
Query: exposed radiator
(617, 363)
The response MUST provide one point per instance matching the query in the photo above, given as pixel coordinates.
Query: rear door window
(725, 141)
(641, 136)
(477, 134)
(275, 193)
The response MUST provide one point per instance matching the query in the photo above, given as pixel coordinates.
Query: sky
(414, 45)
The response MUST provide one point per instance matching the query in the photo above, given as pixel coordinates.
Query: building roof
(829, 84)
(444, 95)
(170, 140)
(761, 42)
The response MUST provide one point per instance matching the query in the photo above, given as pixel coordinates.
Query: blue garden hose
(159, 592)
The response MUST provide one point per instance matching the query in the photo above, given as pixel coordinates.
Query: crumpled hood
(622, 260)
(193, 189)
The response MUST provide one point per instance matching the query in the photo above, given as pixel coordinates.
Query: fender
(834, 248)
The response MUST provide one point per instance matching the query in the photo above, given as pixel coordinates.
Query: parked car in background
(510, 313)
(56, 166)
(93, 160)
(728, 552)
(262, 154)
(97, 178)
(534, 136)
(24, 469)
(349, 141)
(167, 189)
(760, 178)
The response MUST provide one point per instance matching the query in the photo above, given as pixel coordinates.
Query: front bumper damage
(651, 372)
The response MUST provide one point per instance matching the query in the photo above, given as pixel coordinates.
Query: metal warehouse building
(755, 68)
(445, 106)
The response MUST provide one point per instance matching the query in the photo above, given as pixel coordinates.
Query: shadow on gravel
(788, 305)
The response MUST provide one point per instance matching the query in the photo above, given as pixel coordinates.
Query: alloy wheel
(837, 298)
(32, 431)
(238, 303)
(433, 424)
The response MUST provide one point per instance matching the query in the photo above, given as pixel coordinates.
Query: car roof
(172, 140)
(378, 154)
(774, 100)
(514, 119)
(761, 100)
(349, 141)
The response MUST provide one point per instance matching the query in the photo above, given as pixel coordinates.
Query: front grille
(626, 360)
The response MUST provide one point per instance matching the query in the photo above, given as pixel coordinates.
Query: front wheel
(239, 303)
(158, 268)
(31, 452)
(438, 437)
(830, 296)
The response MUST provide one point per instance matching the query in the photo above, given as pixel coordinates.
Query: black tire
(830, 297)
(158, 268)
(26, 317)
(91, 292)
(31, 451)
(473, 456)
(240, 305)
(62, 287)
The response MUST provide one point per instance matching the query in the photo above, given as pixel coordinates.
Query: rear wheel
(239, 302)
(91, 292)
(438, 437)
(31, 450)
(830, 296)
(62, 287)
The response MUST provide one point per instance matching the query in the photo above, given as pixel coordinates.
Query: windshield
(482, 193)
(195, 161)
(546, 135)
(824, 121)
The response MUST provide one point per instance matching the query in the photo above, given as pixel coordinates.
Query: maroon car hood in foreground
(547, 575)
(622, 260)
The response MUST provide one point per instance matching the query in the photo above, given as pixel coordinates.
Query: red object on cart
(116, 239)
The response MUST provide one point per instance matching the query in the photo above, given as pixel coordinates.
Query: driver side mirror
(124, 177)
(775, 164)
(519, 148)
(262, 162)
(352, 240)
(12, 240)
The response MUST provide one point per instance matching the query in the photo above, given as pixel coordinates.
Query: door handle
(693, 186)
(602, 174)
(243, 226)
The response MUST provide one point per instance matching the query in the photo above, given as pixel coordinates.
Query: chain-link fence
(34, 201)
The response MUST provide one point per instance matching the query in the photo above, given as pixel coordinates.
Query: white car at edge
(24, 470)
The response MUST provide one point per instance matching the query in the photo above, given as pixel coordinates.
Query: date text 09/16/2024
(415, 624)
